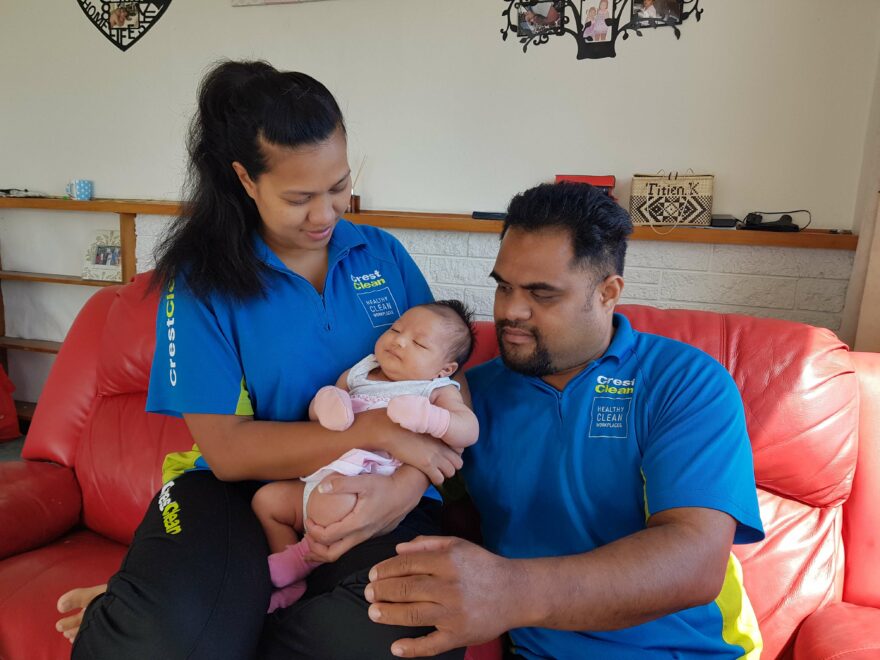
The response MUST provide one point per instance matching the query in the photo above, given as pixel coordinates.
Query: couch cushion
(31, 583)
(841, 631)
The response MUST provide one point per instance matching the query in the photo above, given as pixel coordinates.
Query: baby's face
(416, 347)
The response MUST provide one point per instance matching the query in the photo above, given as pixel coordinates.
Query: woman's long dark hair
(238, 103)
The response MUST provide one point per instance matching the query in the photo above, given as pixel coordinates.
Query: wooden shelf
(811, 238)
(25, 410)
(142, 206)
(51, 278)
(33, 345)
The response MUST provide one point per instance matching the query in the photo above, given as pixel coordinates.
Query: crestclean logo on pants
(170, 510)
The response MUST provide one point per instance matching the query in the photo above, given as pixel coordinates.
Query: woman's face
(302, 193)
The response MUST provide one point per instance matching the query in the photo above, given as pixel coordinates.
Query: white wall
(770, 97)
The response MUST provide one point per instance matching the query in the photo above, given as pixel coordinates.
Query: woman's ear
(448, 369)
(247, 183)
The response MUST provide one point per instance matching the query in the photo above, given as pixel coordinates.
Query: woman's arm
(239, 448)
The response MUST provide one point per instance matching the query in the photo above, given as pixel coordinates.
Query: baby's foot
(75, 599)
(286, 596)
(290, 565)
(332, 407)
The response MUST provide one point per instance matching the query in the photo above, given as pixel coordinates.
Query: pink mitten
(332, 408)
(416, 413)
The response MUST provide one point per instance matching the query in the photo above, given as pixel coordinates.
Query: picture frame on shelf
(103, 257)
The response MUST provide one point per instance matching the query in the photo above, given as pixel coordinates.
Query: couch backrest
(91, 412)
(801, 399)
(797, 382)
(861, 520)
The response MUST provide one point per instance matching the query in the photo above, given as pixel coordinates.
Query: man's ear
(610, 290)
(247, 183)
(448, 369)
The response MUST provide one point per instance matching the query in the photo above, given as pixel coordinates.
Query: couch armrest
(839, 630)
(38, 503)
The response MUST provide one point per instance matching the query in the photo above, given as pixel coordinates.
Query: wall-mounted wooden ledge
(810, 238)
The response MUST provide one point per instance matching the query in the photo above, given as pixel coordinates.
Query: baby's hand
(418, 414)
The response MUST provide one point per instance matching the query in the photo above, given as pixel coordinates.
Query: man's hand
(382, 503)
(446, 582)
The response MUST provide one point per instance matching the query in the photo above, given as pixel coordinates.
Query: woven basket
(671, 199)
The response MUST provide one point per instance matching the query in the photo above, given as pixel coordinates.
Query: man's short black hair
(462, 319)
(598, 225)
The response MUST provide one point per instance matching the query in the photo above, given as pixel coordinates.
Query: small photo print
(103, 257)
(107, 255)
(594, 17)
(123, 15)
(539, 17)
(647, 13)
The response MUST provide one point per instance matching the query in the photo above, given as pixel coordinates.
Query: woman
(267, 295)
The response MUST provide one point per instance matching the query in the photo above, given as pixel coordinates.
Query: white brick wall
(806, 285)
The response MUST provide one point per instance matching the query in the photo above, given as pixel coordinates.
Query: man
(612, 473)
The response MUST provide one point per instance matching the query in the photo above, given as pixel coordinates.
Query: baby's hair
(461, 317)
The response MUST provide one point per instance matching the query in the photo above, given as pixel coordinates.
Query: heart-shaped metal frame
(126, 36)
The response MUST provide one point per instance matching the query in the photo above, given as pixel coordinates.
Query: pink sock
(286, 596)
(290, 565)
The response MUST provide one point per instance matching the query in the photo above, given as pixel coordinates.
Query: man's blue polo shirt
(267, 356)
(653, 424)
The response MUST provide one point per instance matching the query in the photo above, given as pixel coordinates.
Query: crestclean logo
(170, 510)
(368, 280)
(172, 334)
(609, 385)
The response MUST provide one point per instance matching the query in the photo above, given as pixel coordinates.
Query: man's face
(552, 316)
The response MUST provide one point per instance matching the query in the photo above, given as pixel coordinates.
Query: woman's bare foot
(75, 599)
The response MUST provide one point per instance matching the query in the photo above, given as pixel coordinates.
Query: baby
(409, 374)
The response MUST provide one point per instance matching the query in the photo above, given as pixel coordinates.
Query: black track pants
(195, 585)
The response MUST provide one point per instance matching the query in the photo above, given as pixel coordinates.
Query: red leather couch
(92, 460)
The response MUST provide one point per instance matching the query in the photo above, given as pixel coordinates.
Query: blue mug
(81, 189)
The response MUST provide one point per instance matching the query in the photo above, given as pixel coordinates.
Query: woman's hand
(431, 456)
(382, 502)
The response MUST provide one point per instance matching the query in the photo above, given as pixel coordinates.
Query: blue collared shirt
(267, 356)
(651, 425)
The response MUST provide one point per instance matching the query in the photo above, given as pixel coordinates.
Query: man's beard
(537, 364)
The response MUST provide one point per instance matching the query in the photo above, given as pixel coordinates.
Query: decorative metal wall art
(594, 24)
(123, 23)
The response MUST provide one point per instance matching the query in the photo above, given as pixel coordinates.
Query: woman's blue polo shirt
(267, 356)
(653, 424)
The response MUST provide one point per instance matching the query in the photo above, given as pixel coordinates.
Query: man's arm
(471, 595)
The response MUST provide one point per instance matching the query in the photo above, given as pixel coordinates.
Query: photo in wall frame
(598, 21)
(537, 17)
(656, 13)
(103, 257)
